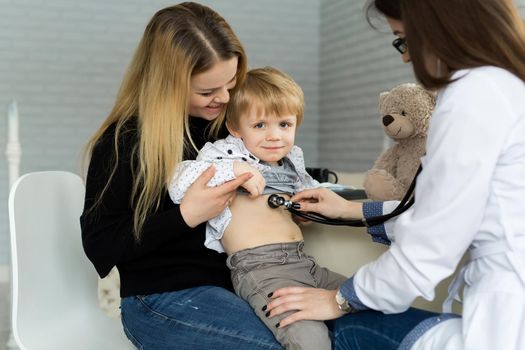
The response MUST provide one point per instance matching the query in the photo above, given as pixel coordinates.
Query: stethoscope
(276, 201)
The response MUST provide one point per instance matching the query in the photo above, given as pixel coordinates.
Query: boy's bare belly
(254, 224)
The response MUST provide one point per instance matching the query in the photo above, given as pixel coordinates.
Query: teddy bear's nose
(387, 120)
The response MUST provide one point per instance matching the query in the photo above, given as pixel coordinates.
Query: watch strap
(342, 303)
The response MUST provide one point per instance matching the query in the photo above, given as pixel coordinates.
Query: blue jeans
(371, 330)
(196, 318)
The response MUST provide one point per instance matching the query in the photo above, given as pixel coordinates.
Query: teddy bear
(405, 113)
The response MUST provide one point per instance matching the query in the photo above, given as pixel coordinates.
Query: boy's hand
(256, 184)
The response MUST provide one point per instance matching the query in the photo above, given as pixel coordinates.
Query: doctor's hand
(256, 184)
(309, 303)
(301, 221)
(328, 203)
(202, 203)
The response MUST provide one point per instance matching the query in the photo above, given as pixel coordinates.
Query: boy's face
(268, 137)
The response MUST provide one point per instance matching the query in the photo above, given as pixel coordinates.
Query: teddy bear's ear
(382, 97)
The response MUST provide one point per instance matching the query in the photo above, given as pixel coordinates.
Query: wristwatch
(342, 303)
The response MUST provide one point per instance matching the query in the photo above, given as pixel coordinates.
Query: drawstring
(488, 249)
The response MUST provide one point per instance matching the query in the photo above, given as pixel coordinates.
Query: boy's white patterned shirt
(222, 154)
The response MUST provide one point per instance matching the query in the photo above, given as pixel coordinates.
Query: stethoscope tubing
(407, 201)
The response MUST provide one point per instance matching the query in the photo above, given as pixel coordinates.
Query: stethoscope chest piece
(276, 201)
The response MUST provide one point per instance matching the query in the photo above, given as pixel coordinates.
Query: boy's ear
(233, 131)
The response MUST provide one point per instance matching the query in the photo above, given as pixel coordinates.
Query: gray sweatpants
(256, 272)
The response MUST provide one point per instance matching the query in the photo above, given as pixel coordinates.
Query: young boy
(264, 245)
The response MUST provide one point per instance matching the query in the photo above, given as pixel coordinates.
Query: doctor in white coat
(470, 195)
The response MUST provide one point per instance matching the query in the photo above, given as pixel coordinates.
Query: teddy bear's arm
(387, 161)
(380, 181)
(382, 186)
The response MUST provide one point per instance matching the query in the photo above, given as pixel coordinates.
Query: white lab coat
(470, 195)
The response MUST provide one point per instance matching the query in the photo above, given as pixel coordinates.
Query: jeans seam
(208, 330)
(379, 334)
(130, 336)
(314, 264)
(256, 285)
(263, 261)
(158, 314)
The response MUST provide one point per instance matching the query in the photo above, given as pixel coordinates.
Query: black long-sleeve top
(170, 255)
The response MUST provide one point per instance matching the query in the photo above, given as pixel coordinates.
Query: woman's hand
(328, 203)
(309, 303)
(202, 203)
(256, 184)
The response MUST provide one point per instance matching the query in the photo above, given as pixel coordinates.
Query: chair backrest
(54, 284)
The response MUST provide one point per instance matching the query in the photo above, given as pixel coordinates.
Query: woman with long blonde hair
(175, 292)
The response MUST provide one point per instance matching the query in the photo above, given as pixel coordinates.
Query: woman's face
(399, 30)
(210, 90)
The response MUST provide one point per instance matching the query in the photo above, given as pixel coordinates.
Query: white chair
(54, 285)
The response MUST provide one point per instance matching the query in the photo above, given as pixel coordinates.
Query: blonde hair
(268, 90)
(179, 42)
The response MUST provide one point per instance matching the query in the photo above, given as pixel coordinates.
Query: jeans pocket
(313, 269)
(154, 301)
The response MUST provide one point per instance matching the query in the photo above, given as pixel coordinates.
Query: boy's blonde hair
(268, 90)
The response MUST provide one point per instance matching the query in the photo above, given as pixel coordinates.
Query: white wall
(63, 61)
(357, 63)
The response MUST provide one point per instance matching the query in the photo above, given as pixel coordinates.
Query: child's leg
(259, 271)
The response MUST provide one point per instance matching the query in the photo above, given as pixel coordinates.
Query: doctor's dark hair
(463, 34)
(270, 92)
(179, 42)
(387, 8)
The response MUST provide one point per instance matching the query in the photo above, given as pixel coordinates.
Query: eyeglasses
(401, 45)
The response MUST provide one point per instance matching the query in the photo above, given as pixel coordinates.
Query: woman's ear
(233, 131)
